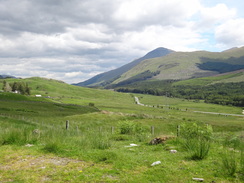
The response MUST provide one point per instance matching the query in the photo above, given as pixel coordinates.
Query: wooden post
(178, 130)
(112, 130)
(152, 130)
(67, 124)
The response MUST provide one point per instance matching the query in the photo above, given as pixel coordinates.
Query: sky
(74, 40)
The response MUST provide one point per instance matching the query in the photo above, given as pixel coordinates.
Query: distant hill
(6, 76)
(110, 76)
(165, 64)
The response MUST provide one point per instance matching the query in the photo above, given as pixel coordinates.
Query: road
(216, 113)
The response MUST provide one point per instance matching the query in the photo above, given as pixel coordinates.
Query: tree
(6, 87)
(27, 89)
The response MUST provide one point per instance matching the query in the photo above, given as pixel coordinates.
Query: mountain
(110, 76)
(6, 76)
(163, 64)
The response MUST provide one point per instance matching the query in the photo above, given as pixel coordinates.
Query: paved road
(225, 114)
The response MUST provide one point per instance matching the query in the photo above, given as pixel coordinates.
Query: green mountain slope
(110, 76)
(173, 66)
(185, 65)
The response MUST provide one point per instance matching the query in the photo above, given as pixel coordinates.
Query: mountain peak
(158, 52)
(112, 75)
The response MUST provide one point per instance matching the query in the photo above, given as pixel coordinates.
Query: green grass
(95, 147)
(233, 77)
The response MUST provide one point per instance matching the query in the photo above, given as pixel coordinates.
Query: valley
(38, 146)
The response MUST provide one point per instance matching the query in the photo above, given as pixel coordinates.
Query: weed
(196, 139)
(18, 136)
(229, 162)
(52, 147)
(126, 127)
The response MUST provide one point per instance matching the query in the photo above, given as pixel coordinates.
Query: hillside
(6, 76)
(110, 76)
(186, 65)
(174, 66)
(110, 142)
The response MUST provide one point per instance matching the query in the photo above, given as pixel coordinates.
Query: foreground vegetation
(38, 146)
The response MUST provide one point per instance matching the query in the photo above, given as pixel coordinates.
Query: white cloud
(230, 34)
(146, 12)
(75, 40)
(210, 16)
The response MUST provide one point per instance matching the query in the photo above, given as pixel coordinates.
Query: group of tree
(219, 93)
(20, 87)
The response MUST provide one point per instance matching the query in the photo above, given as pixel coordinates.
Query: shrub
(196, 139)
(137, 131)
(132, 128)
(91, 104)
(242, 162)
(232, 141)
(52, 147)
(100, 141)
(233, 156)
(18, 136)
(229, 162)
(126, 127)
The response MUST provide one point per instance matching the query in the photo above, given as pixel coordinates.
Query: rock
(29, 145)
(173, 151)
(160, 140)
(156, 163)
(198, 179)
(132, 145)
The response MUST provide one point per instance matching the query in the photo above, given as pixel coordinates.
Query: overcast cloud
(77, 39)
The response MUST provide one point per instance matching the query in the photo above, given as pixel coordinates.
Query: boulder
(160, 140)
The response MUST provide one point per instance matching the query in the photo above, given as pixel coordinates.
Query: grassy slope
(223, 78)
(181, 65)
(117, 163)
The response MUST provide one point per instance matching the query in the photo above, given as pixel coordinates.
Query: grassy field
(37, 147)
(230, 77)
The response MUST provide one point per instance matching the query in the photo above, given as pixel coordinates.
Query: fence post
(67, 124)
(152, 130)
(112, 129)
(178, 130)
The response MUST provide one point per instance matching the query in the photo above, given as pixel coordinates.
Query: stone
(156, 163)
(173, 151)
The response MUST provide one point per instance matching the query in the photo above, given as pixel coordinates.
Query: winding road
(224, 114)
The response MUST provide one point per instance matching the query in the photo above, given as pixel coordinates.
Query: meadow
(37, 146)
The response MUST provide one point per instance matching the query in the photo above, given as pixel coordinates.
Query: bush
(52, 147)
(137, 131)
(132, 128)
(233, 158)
(20, 136)
(126, 127)
(100, 141)
(196, 139)
(229, 162)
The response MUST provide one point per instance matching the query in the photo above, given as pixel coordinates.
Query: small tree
(27, 89)
(6, 87)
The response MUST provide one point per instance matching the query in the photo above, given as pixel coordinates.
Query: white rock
(132, 145)
(29, 145)
(198, 179)
(156, 163)
(173, 151)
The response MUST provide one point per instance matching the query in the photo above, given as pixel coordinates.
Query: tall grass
(196, 139)
(18, 136)
(233, 157)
